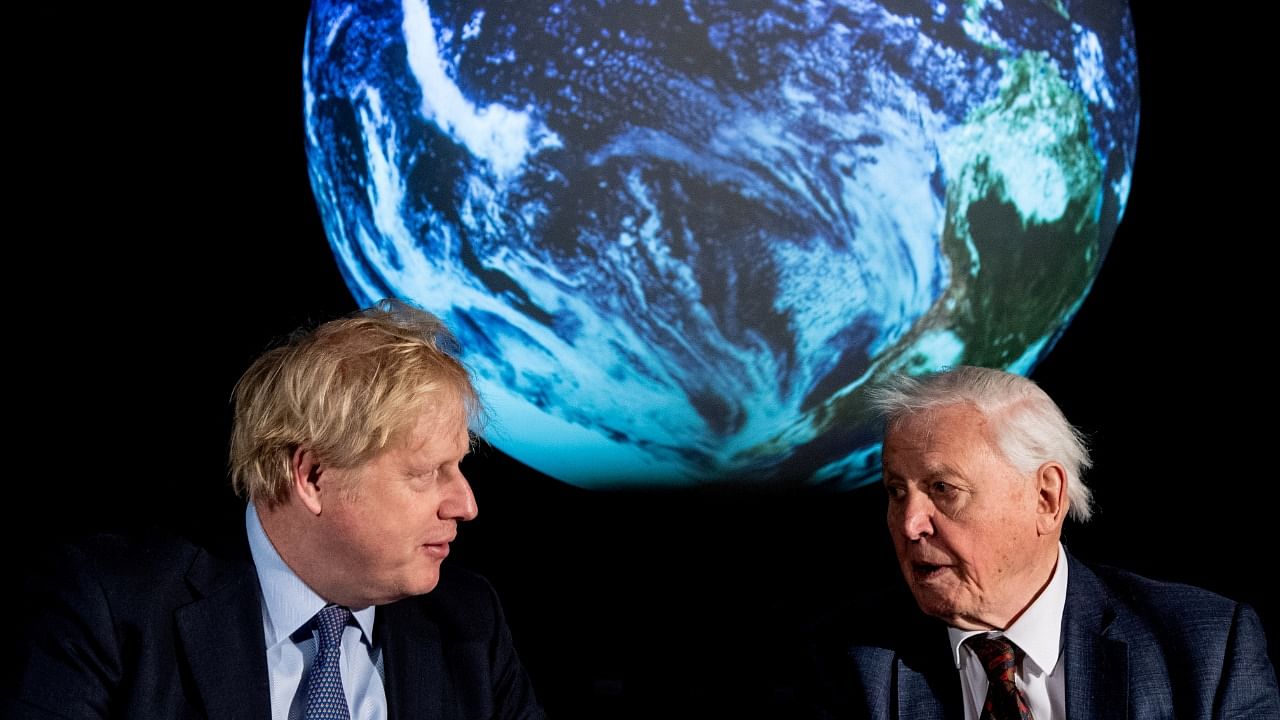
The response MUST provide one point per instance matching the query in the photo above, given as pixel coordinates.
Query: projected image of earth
(679, 240)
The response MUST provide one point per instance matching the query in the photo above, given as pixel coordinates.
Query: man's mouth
(926, 571)
(439, 549)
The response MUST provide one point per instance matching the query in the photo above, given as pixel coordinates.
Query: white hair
(1029, 427)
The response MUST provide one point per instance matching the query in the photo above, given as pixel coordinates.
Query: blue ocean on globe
(680, 240)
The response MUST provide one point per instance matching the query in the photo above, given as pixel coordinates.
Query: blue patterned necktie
(999, 657)
(325, 698)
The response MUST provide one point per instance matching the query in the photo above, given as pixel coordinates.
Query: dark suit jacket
(1134, 648)
(167, 629)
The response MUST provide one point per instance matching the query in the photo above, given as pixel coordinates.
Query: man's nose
(917, 516)
(459, 503)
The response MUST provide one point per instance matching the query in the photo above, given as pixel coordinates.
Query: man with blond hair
(347, 442)
(981, 469)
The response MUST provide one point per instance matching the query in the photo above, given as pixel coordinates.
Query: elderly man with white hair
(981, 469)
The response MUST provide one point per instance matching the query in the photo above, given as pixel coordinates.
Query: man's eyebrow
(940, 472)
(941, 467)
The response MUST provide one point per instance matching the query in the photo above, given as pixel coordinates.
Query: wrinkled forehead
(933, 438)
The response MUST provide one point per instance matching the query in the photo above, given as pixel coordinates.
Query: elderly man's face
(390, 521)
(964, 520)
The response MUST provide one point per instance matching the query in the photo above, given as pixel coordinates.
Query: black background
(163, 234)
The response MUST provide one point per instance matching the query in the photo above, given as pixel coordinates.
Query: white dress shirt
(1038, 633)
(287, 608)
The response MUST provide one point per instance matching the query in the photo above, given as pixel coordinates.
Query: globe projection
(679, 240)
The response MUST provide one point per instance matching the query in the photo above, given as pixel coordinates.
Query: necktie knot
(325, 698)
(997, 654)
(330, 623)
(999, 658)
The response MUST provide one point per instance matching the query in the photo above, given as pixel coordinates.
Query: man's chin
(934, 603)
(420, 584)
(426, 581)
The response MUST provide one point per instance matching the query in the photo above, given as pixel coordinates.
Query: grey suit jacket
(167, 629)
(1133, 648)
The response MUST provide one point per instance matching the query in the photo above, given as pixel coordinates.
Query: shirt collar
(287, 602)
(1038, 631)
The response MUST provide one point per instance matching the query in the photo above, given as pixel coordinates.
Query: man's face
(390, 520)
(963, 520)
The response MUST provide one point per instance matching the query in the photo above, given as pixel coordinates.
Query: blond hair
(344, 391)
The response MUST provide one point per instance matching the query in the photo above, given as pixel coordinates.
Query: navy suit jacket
(1133, 648)
(167, 629)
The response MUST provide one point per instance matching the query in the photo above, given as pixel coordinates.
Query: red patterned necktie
(999, 657)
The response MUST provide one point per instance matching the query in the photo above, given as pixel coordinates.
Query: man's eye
(895, 492)
(942, 487)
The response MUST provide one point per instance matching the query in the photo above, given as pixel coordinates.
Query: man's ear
(1051, 497)
(305, 470)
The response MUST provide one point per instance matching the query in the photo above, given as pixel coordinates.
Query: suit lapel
(1097, 664)
(413, 663)
(927, 679)
(221, 637)
(871, 671)
(918, 698)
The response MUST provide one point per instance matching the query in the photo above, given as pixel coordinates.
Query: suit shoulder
(138, 553)
(123, 570)
(861, 638)
(1186, 646)
(1170, 601)
(462, 599)
(132, 560)
(1172, 620)
(125, 557)
(848, 667)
